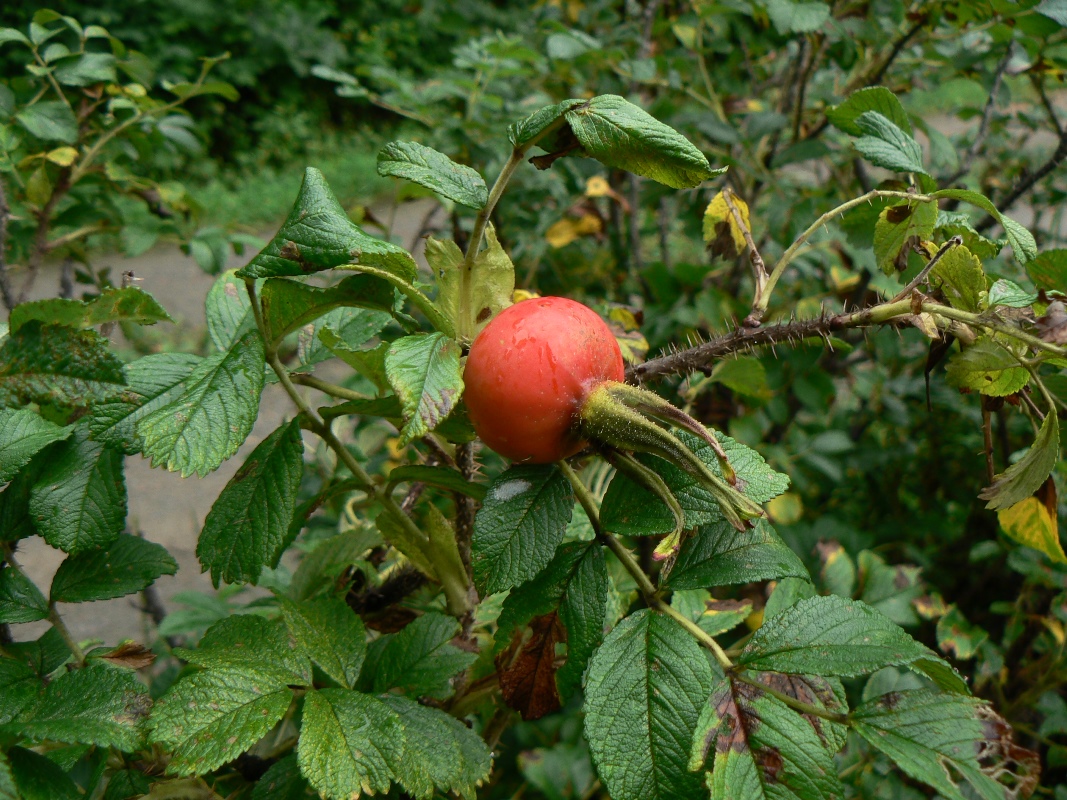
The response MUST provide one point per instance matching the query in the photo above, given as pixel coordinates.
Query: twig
(955, 241)
(1039, 85)
(8, 555)
(6, 292)
(759, 269)
(1023, 186)
(987, 117)
(465, 506)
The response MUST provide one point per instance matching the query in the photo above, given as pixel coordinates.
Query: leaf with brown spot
(130, 655)
(527, 668)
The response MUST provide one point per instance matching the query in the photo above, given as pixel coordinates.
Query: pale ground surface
(168, 509)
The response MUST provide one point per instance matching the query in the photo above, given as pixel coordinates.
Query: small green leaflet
(348, 741)
(1026, 475)
(252, 643)
(519, 526)
(1007, 293)
(644, 691)
(788, 592)
(154, 381)
(282, 781)
(20, 599)
(318, 235)
(492, 278)
(210, 717)
(98, 705)
(886, 145)
(19, 687)
(837, 636)
(1021, 240)
(129, 304)
(209, 420)
(718, 555)
(40, 778)
(341, 332)
(436, 171)
(290, 304)
(54, 364)
(576, 583)
(873, 98)
(631, 510)
(763, 749)
(127, 565)
(439, 752)
(538, 125)
(958, 636)
(713, 616)
(1056, 10)
(50, 121)
(22, 434)
(897, 228)
(228, 310)
(330, 634)
(987, 367)
(960, 275)
(84, 69)
(248, 525)
(79, 500)
(925, 732)
(890, 589)
(421, 659)
(797, 16)
(620, 135)
(445, 478)
(1049, 270)
(425, 372)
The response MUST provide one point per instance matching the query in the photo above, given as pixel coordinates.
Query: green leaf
(719, 555)
(1056, 10)
(873, 98)
(575, 583)
(154, 381)
(1021, 240)
(958, 636)
(897, 228)
(426, 374)
(341, 332)
(519, 526)
(112, 305)
(282, 781)
(85, 69)
(39, 778)
(186, 91)
(54, 364)
(960, 275)
(925, 733)
(127, 783)
(20, 599)
(891, 590)
(1026, 475)
(24, 433)
(208, 421)
(254, 644)
(329, 558)
(445, 478)
(987, 367)
(248, 525)
(713, 616)
(290, 304)
(13, 35)
(643, 694)
(1049, 270)
(97, 705)
(50, 121)
(436, 171)
(957, 223)
(79, 500)
(539, 123)
(791, 16)
(228, 310)
(620, 135)
(210, 717)
(492, 281)
(319, 235)
(331, 634)
(1006, 293)
(434, 756)
(15, 519)
(743, 375)
(886, 145)
(763, 749)
(347, 742)
(631, 510)
(787, 593)
(19, 688)
(127, 565)
(832, 635)
(421, 660)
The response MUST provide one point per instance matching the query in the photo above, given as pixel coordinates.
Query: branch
(6, 292)
(987, 116)
(1023, 186)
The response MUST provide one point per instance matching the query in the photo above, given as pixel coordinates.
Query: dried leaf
(528, 665)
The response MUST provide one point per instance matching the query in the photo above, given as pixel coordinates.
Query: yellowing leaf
(1029, 523)
(64, 156)
(598, 186)
(785, 509)
(722, 234)
(562, 233)
(523, 294)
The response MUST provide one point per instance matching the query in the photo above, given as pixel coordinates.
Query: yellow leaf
(754, 620)
(786, 508)
(562, 233)
(38, 187)
(1029, 523)
(523, 294)
(598, 186)
(64, 156)
(722, 234)
(843, 280)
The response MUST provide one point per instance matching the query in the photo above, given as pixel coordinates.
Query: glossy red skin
(529, 371)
